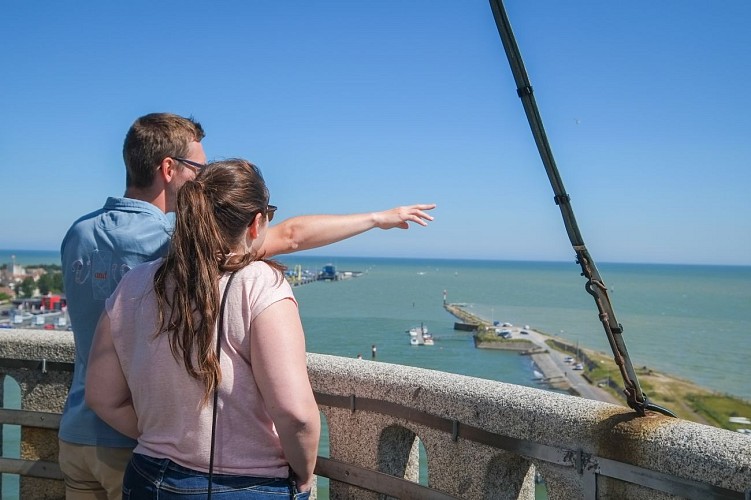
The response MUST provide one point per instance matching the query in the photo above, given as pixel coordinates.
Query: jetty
(557, 372)
(298, 276)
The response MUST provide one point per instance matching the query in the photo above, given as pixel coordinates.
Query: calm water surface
(690, 321)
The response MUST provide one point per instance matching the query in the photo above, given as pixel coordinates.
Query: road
(557, 372)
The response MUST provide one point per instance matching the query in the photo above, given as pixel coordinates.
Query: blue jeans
(161, 478)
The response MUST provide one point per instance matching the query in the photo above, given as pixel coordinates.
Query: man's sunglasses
(197, 166)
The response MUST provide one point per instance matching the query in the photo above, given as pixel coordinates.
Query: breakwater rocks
(458, 311)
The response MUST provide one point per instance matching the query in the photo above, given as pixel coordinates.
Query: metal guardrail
(589, 466)
(375, 481)
(32, 468)
(24, 418)
(42, 365)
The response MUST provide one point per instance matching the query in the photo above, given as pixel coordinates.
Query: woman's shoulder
(260, 269)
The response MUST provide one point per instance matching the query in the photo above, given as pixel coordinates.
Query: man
(161, 152)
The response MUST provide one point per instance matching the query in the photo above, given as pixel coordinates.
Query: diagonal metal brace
(635, 398)
(595, 285)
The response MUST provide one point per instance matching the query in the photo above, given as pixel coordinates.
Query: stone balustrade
(482, 439)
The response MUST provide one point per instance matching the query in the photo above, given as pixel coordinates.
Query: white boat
(419, 335)
(421, 340)
(418, 331)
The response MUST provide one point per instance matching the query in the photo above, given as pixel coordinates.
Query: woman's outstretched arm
(312, 231)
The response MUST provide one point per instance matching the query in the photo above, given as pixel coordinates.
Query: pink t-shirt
(167, 400)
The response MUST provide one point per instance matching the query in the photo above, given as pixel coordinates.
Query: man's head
(154, 141)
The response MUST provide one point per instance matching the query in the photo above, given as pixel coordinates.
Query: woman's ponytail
(212, 217)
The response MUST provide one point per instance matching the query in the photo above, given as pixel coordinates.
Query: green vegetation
(486, 338)
(52, 282)
(493, 337)
(684, 398)
(26, 288)
(718, 409)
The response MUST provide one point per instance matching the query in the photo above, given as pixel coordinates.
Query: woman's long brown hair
(213, 214)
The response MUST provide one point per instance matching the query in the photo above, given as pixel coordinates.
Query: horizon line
(476, 259)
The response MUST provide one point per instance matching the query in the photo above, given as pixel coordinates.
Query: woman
(153, 367)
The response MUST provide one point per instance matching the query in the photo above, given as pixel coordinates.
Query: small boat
(419, 336)
(421, 340)
(418, 330)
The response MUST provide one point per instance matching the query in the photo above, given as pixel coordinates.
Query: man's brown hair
(151, 139)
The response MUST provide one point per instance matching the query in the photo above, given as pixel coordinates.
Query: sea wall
(483, 439)
(505, 345)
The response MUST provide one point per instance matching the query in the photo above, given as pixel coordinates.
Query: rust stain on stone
(620, 433)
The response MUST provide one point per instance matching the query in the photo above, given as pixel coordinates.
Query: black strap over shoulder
(219, 330)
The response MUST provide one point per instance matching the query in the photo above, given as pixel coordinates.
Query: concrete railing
(482, 439)
(40, 361)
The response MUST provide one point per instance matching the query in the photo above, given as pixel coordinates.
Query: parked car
(506, 334)
(578, 366)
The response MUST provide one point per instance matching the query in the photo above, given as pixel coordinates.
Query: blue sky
(357, 106)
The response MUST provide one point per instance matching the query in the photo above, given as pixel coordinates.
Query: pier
(299, 276)
(551, 363)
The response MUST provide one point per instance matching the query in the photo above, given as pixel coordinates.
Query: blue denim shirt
(97, 251)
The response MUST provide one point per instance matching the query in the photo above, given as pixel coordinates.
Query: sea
(689, 321)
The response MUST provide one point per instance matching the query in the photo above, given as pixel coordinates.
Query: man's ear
(167, 169)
